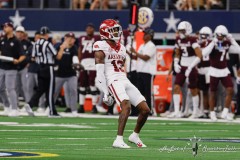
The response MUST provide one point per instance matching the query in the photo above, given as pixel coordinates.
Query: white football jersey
(114, 61)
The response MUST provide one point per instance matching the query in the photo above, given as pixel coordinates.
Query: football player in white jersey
(110, 57)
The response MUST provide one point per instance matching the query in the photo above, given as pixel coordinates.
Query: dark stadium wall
(164, 21)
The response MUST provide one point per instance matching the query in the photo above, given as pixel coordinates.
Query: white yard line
(112, 131)
(91, 138)
(111, 148)
(134, 118)
(44, 125)
(23, 142)
(32, 149)
(70, 144)
(78, 149)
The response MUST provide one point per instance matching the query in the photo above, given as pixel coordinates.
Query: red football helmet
(110, 29)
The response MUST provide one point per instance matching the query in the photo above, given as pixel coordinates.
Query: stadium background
(63, 20)
(91, 137)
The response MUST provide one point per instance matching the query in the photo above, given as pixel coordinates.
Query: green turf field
(92, 138)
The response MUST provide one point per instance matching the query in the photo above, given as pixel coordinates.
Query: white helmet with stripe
(184, 28)
(221, 30)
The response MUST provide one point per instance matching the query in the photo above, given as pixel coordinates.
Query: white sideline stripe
(86, 125)
(161, 118)
(79, 125)
(112, 131)
(222, 151)
(129, 123)
(31, 149)
(60, 138)
(79, 138)
(93, 149)
(23, 142)
(6, 130)
(44, 125)
(66, 115)
(111, 148)
(230, 138)
(70, 144)
(63, 149)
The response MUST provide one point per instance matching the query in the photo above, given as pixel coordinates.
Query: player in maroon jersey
(205, 37)
(187, 49)
(88, 75)
(217, 51)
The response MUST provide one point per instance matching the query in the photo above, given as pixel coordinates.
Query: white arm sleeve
(234, 48)
(195, 62)
(207, 50)
(101, 78)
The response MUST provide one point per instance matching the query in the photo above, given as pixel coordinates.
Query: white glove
(108, 100)
(188, 71)
(229, 36)
(238, 80)
(215, 40)
(232, 40)
(177, 67)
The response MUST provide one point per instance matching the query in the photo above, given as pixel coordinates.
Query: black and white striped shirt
(44, 52)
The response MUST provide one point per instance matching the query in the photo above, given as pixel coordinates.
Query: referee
(44, 54)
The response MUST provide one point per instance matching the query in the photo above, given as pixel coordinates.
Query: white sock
(82, 96)
(212, 113)
(119, 138)
(225, 110)
(135, 134)
(206, 111)
(201, 102)
(94, 95)
(195, 100)
(94, 100)
(82, 99)
(176, 101)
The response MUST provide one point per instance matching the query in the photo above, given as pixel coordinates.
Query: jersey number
(185, 52)
(223, 55)
(117, 65)
(87, 46)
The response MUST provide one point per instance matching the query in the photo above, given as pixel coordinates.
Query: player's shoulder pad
(193, 39)
(99, 46)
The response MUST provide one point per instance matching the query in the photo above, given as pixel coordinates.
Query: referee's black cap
(149, 31)
(44, 30)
